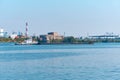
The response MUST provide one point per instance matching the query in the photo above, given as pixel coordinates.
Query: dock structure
(105, 36)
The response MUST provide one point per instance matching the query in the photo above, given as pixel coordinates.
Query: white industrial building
(13, 35)
(2, 33)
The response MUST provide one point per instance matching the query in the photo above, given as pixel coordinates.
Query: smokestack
(26, 29)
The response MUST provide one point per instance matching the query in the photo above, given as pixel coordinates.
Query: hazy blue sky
(74, 17)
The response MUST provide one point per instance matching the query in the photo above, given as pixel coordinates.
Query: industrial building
(3, 33)
(50, 36)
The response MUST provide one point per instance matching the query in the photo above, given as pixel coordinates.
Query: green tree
(70, 39)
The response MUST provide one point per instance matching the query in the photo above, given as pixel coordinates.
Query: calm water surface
(99, 61)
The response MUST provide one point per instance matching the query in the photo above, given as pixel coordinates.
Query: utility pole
(64, 34)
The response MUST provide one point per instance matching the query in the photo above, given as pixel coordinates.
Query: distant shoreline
(69, 40)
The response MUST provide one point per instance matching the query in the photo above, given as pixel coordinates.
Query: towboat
(27, 42)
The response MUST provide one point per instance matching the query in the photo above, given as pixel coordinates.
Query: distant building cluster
(4, 34)
(15, 35)
(47, 38)
(55, 37)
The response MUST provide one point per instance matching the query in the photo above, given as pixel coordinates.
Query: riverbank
(69, 40)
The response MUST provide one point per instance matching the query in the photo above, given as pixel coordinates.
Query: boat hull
(26, 43)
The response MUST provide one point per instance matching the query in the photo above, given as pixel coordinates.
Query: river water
(100, 61)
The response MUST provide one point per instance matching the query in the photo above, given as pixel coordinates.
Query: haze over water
(99, 61)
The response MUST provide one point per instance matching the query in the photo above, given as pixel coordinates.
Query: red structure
(26, 30)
